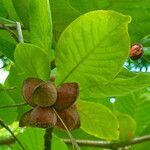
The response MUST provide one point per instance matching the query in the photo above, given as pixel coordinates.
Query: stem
(2, 123)
(48, 138)
(11, 106)
(110, 145)
(19, 30)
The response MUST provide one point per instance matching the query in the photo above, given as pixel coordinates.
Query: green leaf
(137, 105)
(57, 143)
(139, 14)
(40, 24)
(11, 10)
(124, 83)
(141, 146)
(22, 9)
(7, 114)
(33, 61)
(98, 120)
(3, 12)
(15, 80)
(7, 44)
(73, 8)
(127, 127)
(62, 15)
(32, 139)
(93, 50)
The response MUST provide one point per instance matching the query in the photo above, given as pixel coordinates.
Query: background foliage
(90, 42)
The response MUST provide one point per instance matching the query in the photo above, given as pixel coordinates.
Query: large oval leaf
(98, 120)
(93, 48)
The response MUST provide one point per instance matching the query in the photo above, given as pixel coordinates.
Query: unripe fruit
(136, 51)
(42, 117)
(66, 95)
(29, 86)
(70, 118)
(45, 95)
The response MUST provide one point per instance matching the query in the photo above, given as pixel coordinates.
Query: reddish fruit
(45, 95)
(70, 118)
(25, 119)
(39, 117)
(43, 117)
(136, 51)
(66, 95)
(29, 86)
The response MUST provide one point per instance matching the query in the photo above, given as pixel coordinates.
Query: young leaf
(98, 120)
(40, 24)
(92, 48)
(33, 61)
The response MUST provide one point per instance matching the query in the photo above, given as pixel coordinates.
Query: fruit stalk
(48, 138)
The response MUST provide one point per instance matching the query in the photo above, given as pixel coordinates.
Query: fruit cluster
(48, 103)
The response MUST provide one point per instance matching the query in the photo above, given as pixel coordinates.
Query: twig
(12, 106)
(110, 145)
(48, 138)
(19, 30)
(2, 123)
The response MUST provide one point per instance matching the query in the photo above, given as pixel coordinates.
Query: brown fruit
(39, 117)
(45, 94)
(29, 86)
(43, 117)
(66, 95)
(136, 51)
(25, 119)
(70, 118)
